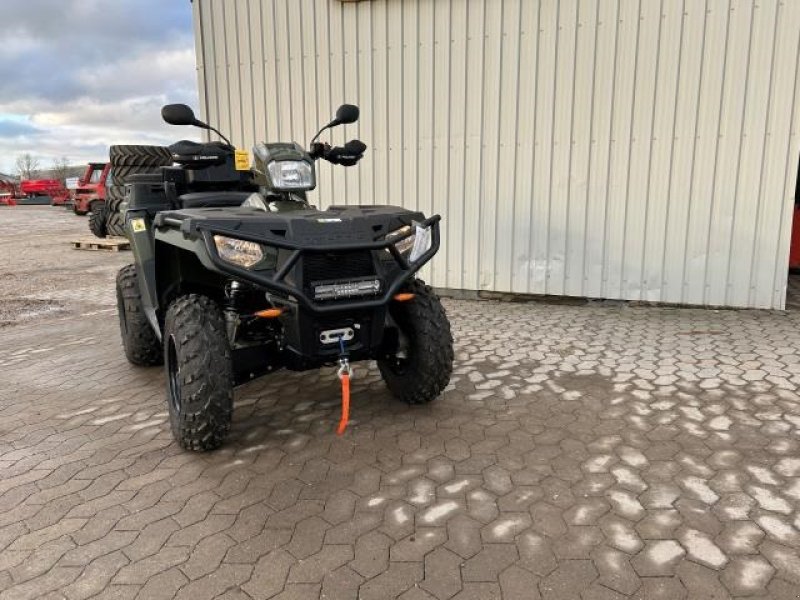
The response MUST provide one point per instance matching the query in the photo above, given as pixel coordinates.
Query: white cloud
(98, 78)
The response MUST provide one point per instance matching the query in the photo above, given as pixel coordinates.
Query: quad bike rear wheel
(199, 372)
(97, 219)
(421, 369)
(141, 345)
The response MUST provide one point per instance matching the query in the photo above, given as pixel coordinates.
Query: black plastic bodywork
(172, 218)
(176, 254)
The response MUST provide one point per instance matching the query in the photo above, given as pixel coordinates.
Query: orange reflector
(270, 313)
(404, 297)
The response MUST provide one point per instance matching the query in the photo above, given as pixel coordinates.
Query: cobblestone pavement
(595, 451)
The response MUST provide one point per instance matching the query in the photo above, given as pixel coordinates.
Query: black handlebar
(347, 155)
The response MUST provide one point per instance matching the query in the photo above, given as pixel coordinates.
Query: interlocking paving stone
(590, 451)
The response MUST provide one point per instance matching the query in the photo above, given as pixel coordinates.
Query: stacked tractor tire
(97, 219)
(126, 161)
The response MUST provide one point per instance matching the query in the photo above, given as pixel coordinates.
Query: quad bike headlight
(413, 246)
(291, 175)
(405, 245)
(238, 252)
(248, 255)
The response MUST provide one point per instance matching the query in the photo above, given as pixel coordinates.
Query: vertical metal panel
(580, 146)
(777, 133)
(520, 261)
(634, 149)
(691, 50)
(604, 74)
(789, 42)
(473, 171)
(667, 89)
(621, 107)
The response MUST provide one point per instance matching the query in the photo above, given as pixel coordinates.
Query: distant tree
(27, 166)
(61, 169)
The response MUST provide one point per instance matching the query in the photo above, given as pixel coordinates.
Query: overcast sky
(79, 75)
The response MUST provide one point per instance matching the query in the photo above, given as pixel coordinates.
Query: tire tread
(429, 332)
(141, 345)
(203, 350)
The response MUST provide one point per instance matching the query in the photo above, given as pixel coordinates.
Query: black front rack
(277, 281)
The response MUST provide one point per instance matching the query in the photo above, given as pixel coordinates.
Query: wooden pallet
(112, 244)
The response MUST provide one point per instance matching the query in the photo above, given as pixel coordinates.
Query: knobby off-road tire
(425, 372)
(141, 345)
(115, 194)
(97, 219)
(135, 160)
(115, 220)
(199, 373)
(130, 155)
(127, 161)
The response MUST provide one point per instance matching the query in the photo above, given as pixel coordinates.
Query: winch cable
(345, 372)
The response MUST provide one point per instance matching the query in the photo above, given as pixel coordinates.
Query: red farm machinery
(8, 193)
(43, 191)
(91, 191)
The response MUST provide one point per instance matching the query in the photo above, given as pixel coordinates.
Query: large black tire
(423, 373)
(141, 345)
(199, 372)
(122, 175)
(115, 224)
(127, 155)
(115, 219)
(135, 160)
(97, 219)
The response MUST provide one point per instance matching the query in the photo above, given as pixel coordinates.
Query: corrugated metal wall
(635, 149)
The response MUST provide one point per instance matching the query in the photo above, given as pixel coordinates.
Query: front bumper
(287, 279)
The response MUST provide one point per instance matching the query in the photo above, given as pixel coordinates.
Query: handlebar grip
(355, 146)
(347, 155)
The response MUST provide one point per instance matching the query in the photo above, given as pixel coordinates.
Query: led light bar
(347, 289)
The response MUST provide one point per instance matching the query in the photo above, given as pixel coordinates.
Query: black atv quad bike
(236, 275)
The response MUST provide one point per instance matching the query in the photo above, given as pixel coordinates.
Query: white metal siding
(634, 149)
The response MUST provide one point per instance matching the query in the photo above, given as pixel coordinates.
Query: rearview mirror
(178, 114)
(346, 113)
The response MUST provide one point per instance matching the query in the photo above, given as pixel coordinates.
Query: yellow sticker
(138, 225)
(242, 160)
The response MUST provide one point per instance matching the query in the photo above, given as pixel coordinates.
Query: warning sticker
(138, 225)
(242, 160)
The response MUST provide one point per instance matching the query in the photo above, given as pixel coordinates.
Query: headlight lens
(405, 245)
(238, 252)
(416, 244)
(291, 175)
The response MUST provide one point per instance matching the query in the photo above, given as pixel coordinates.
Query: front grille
(336, 266)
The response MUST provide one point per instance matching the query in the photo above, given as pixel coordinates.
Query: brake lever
(319, 150)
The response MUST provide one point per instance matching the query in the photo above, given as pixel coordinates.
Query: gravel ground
(41, 276)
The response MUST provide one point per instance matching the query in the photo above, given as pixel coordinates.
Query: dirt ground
(41, 277)
(581, 451)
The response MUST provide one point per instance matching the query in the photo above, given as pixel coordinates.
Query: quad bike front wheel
(141, 345)
(199, 372)
(421, 368)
